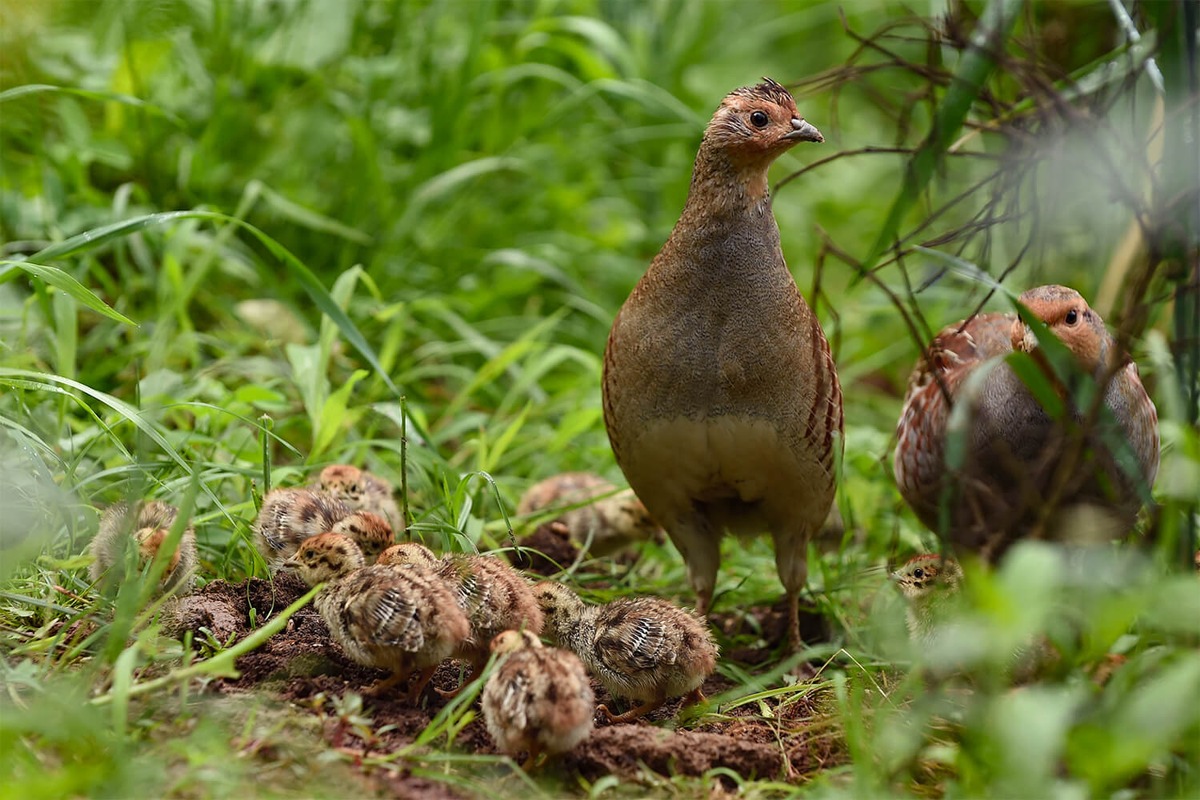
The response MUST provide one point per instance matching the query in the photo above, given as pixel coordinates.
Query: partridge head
(721, 398)
(643, 648)
(538, 699)
(401, 620)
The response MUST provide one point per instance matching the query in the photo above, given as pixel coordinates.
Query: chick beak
(803, 132)
(291, 563)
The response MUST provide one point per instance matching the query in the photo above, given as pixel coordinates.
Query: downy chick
(402, 620)
(611, 523)
(538, 699)
(289, 516)
(361, 490)
(642, 648)
(146, 527)
(494, 597)
(928, 583)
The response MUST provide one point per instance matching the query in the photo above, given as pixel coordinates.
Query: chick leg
(418, 686)
(377, 689)
(633, 713)
(535, 750)
(791, 560)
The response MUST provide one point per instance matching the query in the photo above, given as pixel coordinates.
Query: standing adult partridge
(1017, 461)
(721, 398)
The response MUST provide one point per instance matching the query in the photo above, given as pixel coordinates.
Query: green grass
(243, 240)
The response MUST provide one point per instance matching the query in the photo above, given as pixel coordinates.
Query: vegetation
(244, 240)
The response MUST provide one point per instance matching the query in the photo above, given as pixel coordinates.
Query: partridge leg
(694, 696)
(700, 547)
(791, 559)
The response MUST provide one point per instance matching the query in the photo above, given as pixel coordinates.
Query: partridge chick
(403, 620)
(721, 398)
(289, 516)
(147, 527)
(490, 592)
(927, 582)
(362, 491)
(611, 523)
(538, 699)
(642, 648)
(1014, 465)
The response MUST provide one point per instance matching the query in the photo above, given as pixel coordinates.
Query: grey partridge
(491, 593)
(721, 398)
(1015, 466)
(146, 527)
(640, 648)
(401, 619)
(538, 699)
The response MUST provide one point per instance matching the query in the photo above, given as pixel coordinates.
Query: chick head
(342, 481)
(149, 542)
(560, 605)
(408, 553)
(370, 532)
(511, 641)
(925, 575)
(325, 557)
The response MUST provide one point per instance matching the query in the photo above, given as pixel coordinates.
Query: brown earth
(768, 739)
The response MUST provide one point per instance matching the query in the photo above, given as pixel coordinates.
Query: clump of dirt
(301, 664)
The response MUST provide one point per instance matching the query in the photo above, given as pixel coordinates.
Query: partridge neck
(724, 185)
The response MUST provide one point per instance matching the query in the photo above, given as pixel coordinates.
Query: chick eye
(1072, 317)
(759, 119)
(918, 573)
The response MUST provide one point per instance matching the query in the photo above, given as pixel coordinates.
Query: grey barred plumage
(721, 396)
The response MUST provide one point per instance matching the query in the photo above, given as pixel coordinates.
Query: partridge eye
(1072, 317)
(759, 119)
(918, 573)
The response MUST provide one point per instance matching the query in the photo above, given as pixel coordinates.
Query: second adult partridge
(721, 398)
(1014, 470)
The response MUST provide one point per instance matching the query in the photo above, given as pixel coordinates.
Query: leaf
(312, 285)
(332, 413)
(64, 282)
(108, 97)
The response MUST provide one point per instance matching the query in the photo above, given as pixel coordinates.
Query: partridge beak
(291, 563)
(803, 132)
(1023, 338)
